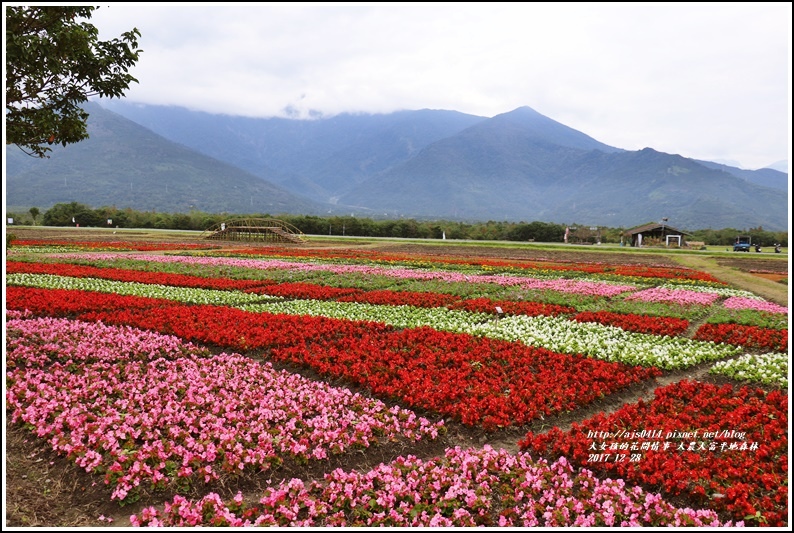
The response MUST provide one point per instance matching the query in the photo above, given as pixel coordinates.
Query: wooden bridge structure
(255, 230)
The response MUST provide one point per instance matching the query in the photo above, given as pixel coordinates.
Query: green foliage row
(749, 317)
(85, 216)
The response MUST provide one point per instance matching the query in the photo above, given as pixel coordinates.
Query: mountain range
(437, 164)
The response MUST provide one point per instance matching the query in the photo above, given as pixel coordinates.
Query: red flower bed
(235, 329)
(415, 299)
(747, 336)
(137, 276)
(696, 452)
(480, 381)
(654, 325)
(305, 291)
(662, 272)
(68, 303)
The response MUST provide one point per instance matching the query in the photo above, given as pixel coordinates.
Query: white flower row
(605, 342)
(400, 316)
(722, 291)
(769, 368)
(178, 294)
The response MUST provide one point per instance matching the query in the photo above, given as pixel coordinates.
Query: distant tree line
(74, 214)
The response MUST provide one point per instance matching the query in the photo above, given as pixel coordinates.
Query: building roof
(654, 226)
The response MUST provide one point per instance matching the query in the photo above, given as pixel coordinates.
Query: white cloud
(709, 81)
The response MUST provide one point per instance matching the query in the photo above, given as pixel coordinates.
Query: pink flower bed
(738, 302)
(465, 488)
(38, 342)
(145, 420)
(675, 296)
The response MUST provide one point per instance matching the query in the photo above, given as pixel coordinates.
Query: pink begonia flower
(177, 392)
(739, 302)
(676, 296)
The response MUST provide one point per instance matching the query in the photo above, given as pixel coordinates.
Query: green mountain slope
(521, 166)
(123, 164)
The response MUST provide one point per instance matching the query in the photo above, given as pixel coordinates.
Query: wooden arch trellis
(255, 229)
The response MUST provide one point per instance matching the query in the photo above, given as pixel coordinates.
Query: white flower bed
(769, 368)
(605, 342)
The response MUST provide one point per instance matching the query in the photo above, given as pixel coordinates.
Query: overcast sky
(704, 80)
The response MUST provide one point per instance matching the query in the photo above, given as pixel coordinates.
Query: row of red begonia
(654, 325)
(136, 276)
(725, 448)
(753, 337)
(481, 381)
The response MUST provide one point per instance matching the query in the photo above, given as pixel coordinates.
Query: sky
(707, 81)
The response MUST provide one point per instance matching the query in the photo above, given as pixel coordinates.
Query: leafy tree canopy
(63, 214)
(54, 63)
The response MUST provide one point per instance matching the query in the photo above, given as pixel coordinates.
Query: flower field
(194, 382)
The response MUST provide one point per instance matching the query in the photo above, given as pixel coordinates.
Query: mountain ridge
(518, 166)
(125, 164)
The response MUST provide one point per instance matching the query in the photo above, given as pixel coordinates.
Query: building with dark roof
(656, 234)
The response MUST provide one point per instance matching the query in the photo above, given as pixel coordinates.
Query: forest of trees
(74, 214)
